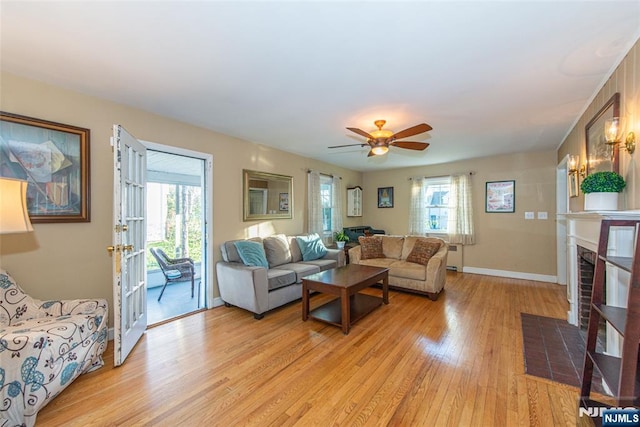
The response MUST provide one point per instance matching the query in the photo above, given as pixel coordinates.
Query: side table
(347, 246)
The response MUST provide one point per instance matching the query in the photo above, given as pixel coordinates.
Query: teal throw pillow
(311, 247)
(251, 253)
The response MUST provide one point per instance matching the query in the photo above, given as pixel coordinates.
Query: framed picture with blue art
(385, 197)
(54, 159)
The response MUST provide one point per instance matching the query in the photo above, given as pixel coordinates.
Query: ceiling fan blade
(414, 130)
(361, 132)
(371, 153)
(411, 145)
(348, 145)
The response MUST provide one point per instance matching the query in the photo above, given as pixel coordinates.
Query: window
(442, 205)
(325, 204)
(326, 198)
(437, 204)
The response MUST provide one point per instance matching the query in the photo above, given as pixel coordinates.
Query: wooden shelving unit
(619, 373)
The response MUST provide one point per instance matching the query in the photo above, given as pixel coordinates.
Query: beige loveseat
(426, 279)
(261, 288)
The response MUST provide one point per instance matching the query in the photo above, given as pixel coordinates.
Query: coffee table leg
(385, 290)
(346, 311)
(305, 302)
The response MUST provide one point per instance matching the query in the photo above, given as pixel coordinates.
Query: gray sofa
(260, 289)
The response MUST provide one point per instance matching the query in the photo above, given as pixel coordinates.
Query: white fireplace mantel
(583, 229)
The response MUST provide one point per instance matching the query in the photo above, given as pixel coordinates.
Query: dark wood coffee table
(345, 282)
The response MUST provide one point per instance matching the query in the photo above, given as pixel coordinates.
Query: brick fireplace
(582, 235)
(586, 268)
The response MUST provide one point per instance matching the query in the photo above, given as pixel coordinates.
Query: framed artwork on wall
(54, 159)
(500, 197)
(284, 202)
(600, 155)
(385, 197)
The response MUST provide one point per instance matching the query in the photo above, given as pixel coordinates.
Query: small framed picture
(500, 197)
(284, 202)
(385, 197)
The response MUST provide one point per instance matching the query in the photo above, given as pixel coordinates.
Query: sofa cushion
(311, 247)
(323, 264)
(300, 269)
(378, 262)
(16, 305)
(371, 247)
(296, 255)
(251, 253)
(229, 251)
(277, 278)
(392, 246)
(277, 249)
(408, 270)
(422, 251)
(409, 241)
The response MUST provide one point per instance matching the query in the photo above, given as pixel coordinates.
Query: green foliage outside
(603, 182)
(192, 211)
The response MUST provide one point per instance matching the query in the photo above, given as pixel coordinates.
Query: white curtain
(417, 208)
(336, 204)
(460, 225)
(315, 204)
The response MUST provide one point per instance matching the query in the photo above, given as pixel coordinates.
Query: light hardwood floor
(456, 361)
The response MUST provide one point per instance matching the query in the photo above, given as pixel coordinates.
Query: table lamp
(14, 217)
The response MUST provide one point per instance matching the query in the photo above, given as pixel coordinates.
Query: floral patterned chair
(44, 346)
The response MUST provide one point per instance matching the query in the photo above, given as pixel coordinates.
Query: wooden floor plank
(456, 361)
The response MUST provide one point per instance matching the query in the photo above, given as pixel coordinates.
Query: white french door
(129, 242)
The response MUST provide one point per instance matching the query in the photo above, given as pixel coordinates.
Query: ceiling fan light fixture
(381, 133)
(380, 150)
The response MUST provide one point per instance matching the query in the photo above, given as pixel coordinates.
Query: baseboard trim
(217, 302)
(511, 274)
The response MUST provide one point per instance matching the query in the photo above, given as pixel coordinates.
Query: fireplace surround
(583, 231)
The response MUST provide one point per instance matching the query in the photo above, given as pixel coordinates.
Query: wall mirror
(266, 195)
(600, 156)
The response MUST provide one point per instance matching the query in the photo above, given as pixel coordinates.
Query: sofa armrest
(74, 306)
(243, 286)
(437, 269)
(355, 254)
(337, 255)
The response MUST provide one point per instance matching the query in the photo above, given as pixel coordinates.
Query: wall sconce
(613, 135)
(573, 163)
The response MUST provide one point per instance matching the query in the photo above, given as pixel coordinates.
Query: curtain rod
(325, 174)
(441, 176)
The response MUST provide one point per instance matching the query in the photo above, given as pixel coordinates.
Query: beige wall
(626, 80)
(504, 241)
(70, 260)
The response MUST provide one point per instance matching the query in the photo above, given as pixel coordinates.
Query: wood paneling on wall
(625, 79)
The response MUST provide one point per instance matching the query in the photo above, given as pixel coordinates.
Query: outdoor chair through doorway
(174, 269)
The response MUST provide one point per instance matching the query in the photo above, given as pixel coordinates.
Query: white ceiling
(490, 76)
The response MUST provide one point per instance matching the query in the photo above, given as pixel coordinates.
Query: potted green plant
(601, 191)
(341, 238)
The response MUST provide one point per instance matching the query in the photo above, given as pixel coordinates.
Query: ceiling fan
(380, 140)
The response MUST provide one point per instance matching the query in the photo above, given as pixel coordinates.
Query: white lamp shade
(14, 217)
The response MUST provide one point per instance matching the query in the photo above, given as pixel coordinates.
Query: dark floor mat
(554, 349)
